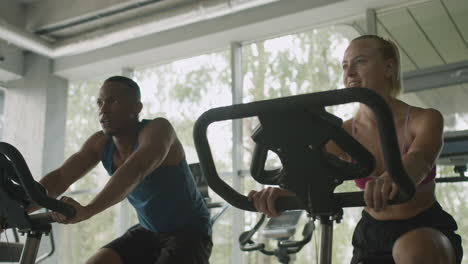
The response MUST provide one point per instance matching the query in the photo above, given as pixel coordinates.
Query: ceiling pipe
(96, 17)
(184, 15)
(24, 40)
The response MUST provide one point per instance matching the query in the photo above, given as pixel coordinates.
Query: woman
(417, 231)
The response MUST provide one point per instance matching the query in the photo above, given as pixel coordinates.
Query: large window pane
(448, 100)
(290, 65)
(294, 64)
(78, 242)
(181, 91)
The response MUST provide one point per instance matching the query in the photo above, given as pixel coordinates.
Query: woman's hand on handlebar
(264, 200)
(379, 191)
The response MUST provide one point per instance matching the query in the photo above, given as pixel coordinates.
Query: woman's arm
(426, 129)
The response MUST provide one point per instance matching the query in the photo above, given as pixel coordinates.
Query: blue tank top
(167, 198)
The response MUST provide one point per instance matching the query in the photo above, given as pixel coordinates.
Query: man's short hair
(132, 86)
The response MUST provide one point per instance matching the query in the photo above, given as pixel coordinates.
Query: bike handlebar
(33, 189)
(375, 102)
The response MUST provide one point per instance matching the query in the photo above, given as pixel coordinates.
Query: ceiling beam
(455, 149)
(49, 13)
(436, 77)
(144, 25)
(13, 12)
(247, 26)
(11, 63)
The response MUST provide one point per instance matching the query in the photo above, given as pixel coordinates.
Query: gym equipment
(281, 229)
(454, 153)
(18, 192)
(11, 252)
(202, 187)
(297, 128)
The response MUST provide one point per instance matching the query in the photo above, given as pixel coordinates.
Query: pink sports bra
(361, 183)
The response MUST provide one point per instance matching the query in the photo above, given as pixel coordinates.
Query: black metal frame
(298, 105)
(18, 192)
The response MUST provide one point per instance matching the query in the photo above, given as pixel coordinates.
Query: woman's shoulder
(426, 114)
(415, 113)
(424, 120)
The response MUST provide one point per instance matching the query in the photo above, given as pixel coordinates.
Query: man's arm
(75, 167)
(155, 142)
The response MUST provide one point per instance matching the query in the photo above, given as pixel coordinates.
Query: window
(78, 242)
(291, 65)
(181, 91)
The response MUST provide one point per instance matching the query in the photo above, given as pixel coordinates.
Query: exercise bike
(18, 192)
(281, 229)
(297, 128)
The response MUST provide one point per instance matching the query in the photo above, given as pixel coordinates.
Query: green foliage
(182, 90)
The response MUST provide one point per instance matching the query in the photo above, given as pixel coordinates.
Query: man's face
(117, 108)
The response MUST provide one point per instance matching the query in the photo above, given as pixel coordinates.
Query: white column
(237, 181)
(35, 119)
(371, 20)
(35, 115)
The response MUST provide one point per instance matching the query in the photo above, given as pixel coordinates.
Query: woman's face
(364, 66)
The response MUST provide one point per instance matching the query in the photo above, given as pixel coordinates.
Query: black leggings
(373, 239)
(184, 246)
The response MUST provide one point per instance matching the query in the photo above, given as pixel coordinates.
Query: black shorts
(184, 246)
(373, 239)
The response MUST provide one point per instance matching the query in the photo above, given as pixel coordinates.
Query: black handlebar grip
(355, 199)
(284, 203)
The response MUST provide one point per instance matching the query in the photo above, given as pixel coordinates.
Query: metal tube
(31, 247)
(326, 240)
(237, 180)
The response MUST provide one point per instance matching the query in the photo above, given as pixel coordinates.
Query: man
(147, 165)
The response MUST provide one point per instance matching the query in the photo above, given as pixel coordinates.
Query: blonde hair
(389, 50)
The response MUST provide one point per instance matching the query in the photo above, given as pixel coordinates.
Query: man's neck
(126, 139)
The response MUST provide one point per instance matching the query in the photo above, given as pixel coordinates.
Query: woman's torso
(368, 136)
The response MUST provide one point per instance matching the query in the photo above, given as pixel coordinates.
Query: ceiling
(48, 20)
(429, 34)
(87, 36)
(433, 35)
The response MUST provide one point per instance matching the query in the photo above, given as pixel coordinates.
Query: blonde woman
(419, 230)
